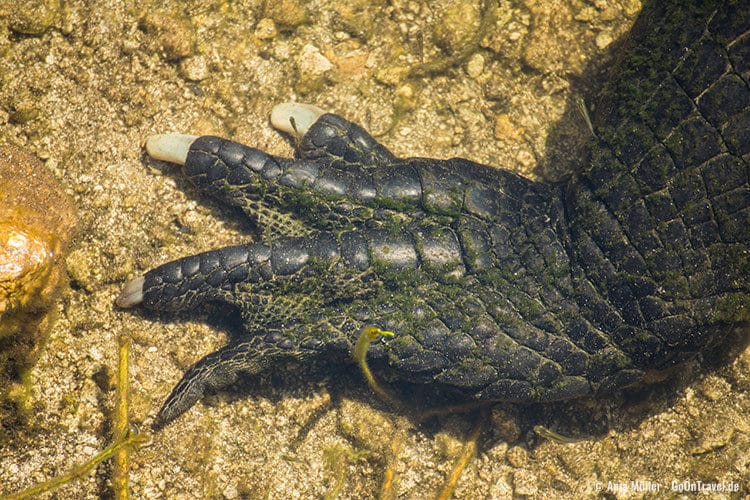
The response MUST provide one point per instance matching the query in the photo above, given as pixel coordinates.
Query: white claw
(294, 117)
(132, 294)
(170, 147)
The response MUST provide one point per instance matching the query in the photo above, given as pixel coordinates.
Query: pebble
(287, 13)
(603, 39)
(33, 17)
(194, 68)
(632, 7)
(506, 130)
(475, 66)
(312, 61)
(518, 457)
(266, 29)
(456, 26)
(174, 32)
(311, 69)
(80, 265)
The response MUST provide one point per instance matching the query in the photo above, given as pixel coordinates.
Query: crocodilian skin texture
(501, 288)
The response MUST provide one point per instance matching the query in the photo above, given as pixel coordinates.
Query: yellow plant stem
(122, 422)
(80, 470)
(370, 334)
(120, 448)
(546, 433)
(468, 452)
(386, 488)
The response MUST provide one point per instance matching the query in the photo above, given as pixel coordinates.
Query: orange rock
(37, 223)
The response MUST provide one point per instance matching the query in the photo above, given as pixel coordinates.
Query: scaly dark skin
(497, 287)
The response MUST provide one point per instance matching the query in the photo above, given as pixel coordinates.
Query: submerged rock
(37, 223)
